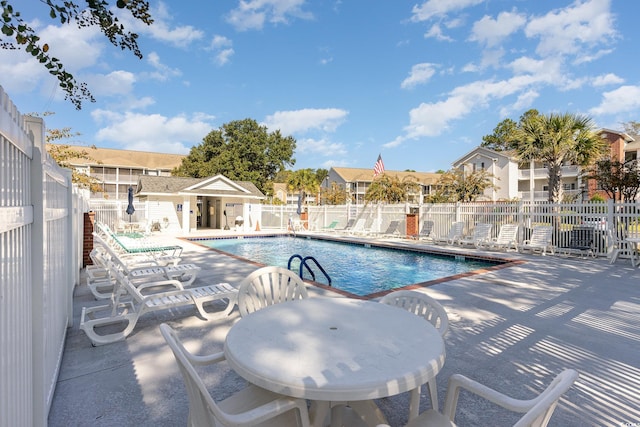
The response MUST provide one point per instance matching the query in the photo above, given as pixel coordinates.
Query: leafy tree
(632, 128)
(558, 138)
(321, 174)
(17, 34)
(458, 186)
(335, 195)
(621, 181)
(63, 154)
(505, 135)
(241, 150)
(390, 189)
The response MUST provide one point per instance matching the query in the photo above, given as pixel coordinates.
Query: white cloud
(435, 8)
(115, 83)
(152, 132)
(300, 121)
(162, 72)
(621, 100)
(76, 48)
(607, 79)
(252, 14)
(221, 45)
(320, 147)
(524, 101)
(573, 29)
(491, 31)
(420, 73)
(180, 36)
(436, 32)
(21, 72)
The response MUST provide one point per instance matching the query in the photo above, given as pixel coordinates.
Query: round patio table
(336, 350)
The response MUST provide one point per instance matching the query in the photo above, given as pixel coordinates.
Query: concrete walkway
(512, 329)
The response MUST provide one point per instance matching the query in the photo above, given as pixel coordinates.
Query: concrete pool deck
(512, 329)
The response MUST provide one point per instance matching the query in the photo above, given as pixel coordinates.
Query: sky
(418, 82)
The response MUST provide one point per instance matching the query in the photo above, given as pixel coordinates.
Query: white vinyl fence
(610, 220)
(40, 246)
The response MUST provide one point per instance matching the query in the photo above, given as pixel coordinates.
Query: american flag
(378, 168)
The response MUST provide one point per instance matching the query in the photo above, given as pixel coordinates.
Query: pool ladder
(304, 264)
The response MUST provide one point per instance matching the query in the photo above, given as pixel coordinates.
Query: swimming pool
(359, 269)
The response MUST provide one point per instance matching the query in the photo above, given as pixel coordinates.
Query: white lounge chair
(507, 239)
(481, 234)
(127, 312)
(455, 233)
(537, 411)
(267, 286)
(433, 312)
(101, 285)
(251, 406)
(540, 240)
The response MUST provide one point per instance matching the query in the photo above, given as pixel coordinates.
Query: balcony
(543, 173)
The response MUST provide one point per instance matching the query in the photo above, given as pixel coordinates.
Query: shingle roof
(126, 158)
(366, 175)
(173, 185)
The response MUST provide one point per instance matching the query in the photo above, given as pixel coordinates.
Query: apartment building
(117, 170)
(356, 182)
(530, 180)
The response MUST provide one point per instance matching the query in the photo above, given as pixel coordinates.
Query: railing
(40, 241)
(305, 265)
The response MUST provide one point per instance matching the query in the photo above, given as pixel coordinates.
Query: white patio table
(336, 350)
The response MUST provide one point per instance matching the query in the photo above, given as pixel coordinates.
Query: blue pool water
(354, 268)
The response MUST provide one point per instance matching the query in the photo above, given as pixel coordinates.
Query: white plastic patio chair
(541, 237)
(537, 411)
(267, 286)
(251, 406)
(481, 234)
(433, 312)
(130, 301)
(507, 239)
(455, 233)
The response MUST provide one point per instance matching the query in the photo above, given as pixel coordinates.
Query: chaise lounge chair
(541, 237)
(393, 230)
(580, 242)
(426, 232)
(481, 234)
(507, 239)
(101, 285)
(121, 311)
(455, 233)
(330, 227)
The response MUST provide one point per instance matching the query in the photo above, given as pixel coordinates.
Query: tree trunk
(555, 182)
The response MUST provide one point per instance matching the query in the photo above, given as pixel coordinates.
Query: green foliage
(505, 135)
(597, 198)
(63, 154)
(390, 189)
(15, 34)
(335, 195)
(457, 185)
(241, 150)
(621, 181)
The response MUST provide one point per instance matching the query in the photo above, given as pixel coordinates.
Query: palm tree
(303, 181)
(558, 138)
(391, 189)
(459, 186)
